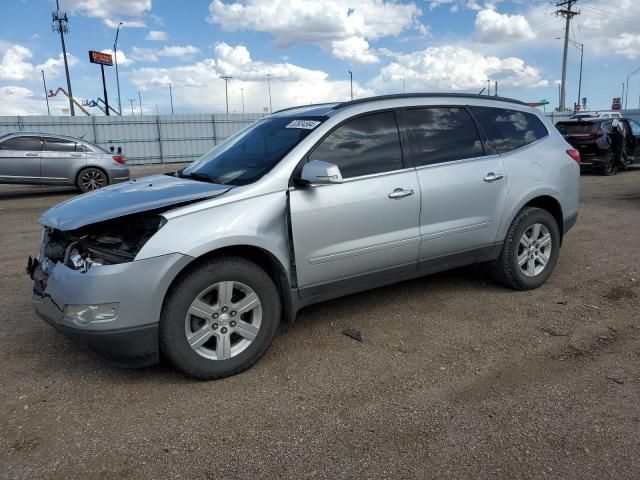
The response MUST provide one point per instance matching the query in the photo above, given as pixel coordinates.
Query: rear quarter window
(509, 129)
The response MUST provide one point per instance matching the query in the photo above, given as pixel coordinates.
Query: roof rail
(303, 106)
(425, 95)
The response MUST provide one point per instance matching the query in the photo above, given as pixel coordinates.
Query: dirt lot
(457, 377)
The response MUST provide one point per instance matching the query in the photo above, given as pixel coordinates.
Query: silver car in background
(304, 206)
(47, 159)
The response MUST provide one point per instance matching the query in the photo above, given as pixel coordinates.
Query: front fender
(259, 221)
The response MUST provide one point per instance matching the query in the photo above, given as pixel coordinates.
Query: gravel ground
(456, 376)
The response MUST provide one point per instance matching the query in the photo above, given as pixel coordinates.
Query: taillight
(120, 159)
(575, 154)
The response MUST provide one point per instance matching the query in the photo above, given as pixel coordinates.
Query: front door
(463, 190)
(61, 160)
(20, 159)
(367, 224)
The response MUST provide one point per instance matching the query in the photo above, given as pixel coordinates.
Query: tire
(610, 166)
(507, 270)
(250, 334)
(90, 179)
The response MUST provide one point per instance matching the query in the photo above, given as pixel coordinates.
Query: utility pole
(140, 102)
(115, 55)
(242, 94)
(351, 82)
(131, 100)
(495, 88)
(60, 25)
(488, 87)
(269, 86)
(171, 98)
(564, 10)
(226, 79)
(46, 94)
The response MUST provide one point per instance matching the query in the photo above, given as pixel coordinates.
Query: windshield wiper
(201, 176)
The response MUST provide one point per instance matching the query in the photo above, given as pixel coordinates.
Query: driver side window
(363, 146)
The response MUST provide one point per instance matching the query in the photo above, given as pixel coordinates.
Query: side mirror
(318, 172)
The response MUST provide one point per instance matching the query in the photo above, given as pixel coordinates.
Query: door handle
(31, 154)
(492, 177)
(400, 193)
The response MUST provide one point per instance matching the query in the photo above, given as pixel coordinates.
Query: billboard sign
(100, 58)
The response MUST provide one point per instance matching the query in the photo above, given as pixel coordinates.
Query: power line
(564, 10)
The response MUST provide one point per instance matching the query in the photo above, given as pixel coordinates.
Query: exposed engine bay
(105, 243)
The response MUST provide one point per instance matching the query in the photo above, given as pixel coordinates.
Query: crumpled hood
(122, 199)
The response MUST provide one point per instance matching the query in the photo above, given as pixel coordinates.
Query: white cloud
(494, 27)
(626, 44)
(353, 49)
(332, 24)
(198, 87)
(154, 54)
(14, 64)
(17, 101)
(455, 68)
(156, 35)
(111, 11)
(123, 60)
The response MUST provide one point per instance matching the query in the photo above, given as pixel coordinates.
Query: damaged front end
(105, 243)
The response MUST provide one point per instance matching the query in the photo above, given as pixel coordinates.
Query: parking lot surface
(456, 377)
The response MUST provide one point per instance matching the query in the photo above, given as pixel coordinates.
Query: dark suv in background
(592, 138)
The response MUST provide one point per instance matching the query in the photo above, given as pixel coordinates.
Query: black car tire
(506, 270)
(173, 340)
(610, 166)
(90, 179)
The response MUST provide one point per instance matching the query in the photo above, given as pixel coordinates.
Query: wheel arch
(541, 199)
(261, 257)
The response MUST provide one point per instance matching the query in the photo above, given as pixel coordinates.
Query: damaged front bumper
(133, 290)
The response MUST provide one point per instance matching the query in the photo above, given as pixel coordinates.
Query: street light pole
(140, 102)
(226, 79)
(351, 82)
(242, 94)
(171, 98)
(269, 86)
(131, 100)
(115, 54)
(46, 95)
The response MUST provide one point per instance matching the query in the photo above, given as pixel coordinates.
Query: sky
(308, 47)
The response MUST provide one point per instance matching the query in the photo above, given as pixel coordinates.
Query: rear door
(633, 142)
(61, 159)
(20, 159)
(463, 190)
(369, 223)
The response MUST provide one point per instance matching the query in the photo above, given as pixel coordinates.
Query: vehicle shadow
(20, 191)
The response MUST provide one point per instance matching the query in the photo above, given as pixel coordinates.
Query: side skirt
(319, 293)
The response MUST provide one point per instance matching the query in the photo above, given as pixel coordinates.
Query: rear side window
(509, 129)
(442, 134)
(52, 144)
(575, 128)
(24, 144)
(363, 146)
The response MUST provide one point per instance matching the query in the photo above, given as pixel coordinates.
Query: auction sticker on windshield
(306, 124)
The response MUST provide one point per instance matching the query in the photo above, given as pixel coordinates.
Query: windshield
(249, 154)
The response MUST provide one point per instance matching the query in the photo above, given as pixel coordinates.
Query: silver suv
(44, 159)
(306, 205)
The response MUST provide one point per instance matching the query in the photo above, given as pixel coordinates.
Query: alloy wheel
(223, 320)
(93, 180)
(534, 250)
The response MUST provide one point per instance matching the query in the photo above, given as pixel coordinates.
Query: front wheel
(220, 318)
(530, 250)
(610, 166)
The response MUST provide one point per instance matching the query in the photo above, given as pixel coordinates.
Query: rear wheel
(530, 250)
(220, 318)
(91, 179)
